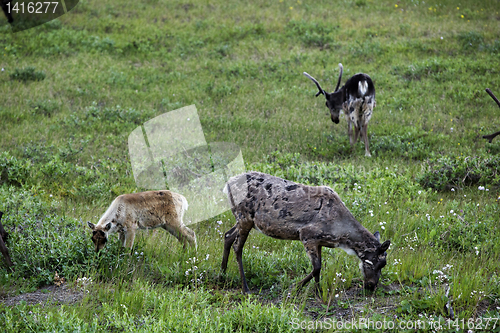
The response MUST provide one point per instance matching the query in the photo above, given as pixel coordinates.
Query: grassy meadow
(74, 88)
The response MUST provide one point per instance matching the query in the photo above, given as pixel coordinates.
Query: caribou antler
(340, 76)
(321, 91)
(492, 136)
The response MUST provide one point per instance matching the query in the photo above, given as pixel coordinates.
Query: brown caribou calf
(314, 215)
(145, 210)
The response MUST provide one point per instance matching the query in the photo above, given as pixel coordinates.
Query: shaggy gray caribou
(145, 210)
(314, 215)
(357, 99)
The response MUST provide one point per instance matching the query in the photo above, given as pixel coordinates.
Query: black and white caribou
(357, 99)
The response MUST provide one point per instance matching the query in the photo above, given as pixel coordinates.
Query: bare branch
(493, 96)
(492, 136)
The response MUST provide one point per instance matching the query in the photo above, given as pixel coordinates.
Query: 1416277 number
(31, 7)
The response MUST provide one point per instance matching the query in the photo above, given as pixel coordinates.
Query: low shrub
(27, 74)
(447, 172)
(42, 242)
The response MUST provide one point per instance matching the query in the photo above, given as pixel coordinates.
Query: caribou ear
(108, 226)
(377, 235)
(385, 246)
(91, 225)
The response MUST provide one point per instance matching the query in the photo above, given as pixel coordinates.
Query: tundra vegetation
(74, 88)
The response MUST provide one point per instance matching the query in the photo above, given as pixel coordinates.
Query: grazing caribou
(315, 215)
(145, 210)
(492, 136)
(357, 99)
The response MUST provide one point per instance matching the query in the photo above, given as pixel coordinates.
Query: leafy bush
(45, 169)
(27, 74)
(446, 172)
(471, 41)
(13, 171)
(45, 107)
(41, 242)
(494, 47)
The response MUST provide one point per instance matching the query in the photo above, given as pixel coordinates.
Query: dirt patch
(353, 303)
(50, 295)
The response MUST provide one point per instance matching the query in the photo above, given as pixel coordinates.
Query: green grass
(74, 88)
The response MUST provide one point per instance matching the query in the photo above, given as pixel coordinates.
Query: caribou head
(334, 100)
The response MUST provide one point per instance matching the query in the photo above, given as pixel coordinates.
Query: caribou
(357, 99)
(315, 215)
(145, 210)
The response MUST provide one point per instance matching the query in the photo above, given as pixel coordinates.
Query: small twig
(461, 218)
